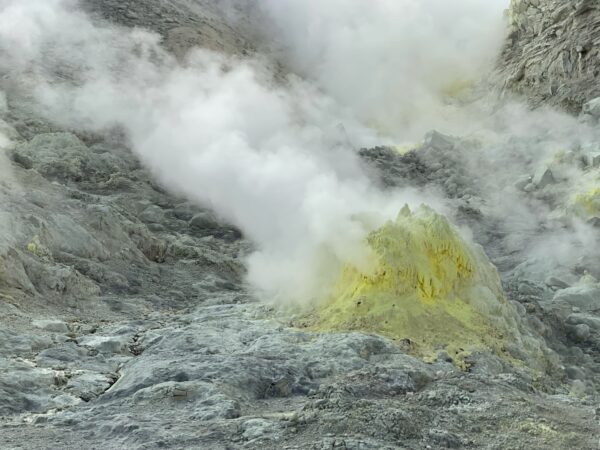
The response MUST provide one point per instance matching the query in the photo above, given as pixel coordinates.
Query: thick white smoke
(275, 157)
(271, 158)
(396, 63)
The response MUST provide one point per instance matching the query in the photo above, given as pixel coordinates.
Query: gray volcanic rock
(551, 54)
(586, 297)
(55, 156)
(231, 376)
(183, 24)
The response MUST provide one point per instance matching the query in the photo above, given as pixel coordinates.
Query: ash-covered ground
(127, 320)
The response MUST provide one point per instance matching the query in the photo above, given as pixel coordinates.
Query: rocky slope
(125, 321)
(551, 54)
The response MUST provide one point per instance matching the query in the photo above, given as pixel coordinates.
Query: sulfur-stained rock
(431, 288)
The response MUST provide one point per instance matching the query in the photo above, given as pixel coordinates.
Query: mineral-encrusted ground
(125, 322)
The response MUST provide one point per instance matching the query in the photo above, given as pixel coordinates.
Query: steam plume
(267, 154)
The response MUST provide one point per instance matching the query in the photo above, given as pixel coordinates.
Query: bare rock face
(182, 24)
(551, 52)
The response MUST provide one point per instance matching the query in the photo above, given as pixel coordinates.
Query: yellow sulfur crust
(430, 288)
(588, 203)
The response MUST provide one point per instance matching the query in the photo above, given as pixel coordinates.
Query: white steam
(275, 157)
(394, 62)
(271, 158)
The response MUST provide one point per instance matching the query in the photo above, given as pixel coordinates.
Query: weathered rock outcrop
(552, 51)
(125, 321)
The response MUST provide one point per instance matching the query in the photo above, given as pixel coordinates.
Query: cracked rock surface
(551, 54)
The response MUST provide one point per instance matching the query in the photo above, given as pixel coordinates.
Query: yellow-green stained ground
(457, 89)
(430, 286)
(37, 248)
(587, 204)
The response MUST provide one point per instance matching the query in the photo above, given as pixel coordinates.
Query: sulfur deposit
(587, 204)
(431, 289)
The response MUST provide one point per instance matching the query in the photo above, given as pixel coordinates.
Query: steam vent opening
(432, 290)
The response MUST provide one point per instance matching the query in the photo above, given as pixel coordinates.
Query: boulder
(592, 108)
(584, 297)
(593, 160)
(53, 325)
(204, 221)
(436, 140)
(556, 283)
(543, 177)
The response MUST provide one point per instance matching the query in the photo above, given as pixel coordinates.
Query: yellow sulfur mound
(430, 289)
